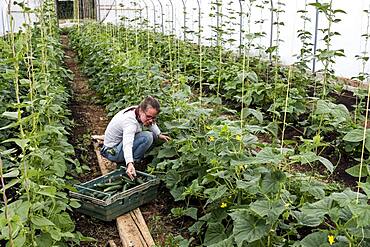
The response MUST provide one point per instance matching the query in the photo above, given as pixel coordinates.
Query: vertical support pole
(218, 23)
(271, 27)
(154, 19)
(315, 40)
(98, 10)
(185, 28)
(199, 23)
(172, 18)
(240, 27)
(162, 24)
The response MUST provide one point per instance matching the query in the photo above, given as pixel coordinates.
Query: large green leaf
(197, 227)
(59, 164)
(20, 239)
(366, 188)
(229, 242)
(257, 114)
(22, 209)
(63, 221)
(316, 239)
(248, 228)
(271, 182)
(260, 207)
(357, 169)
(177, 193)
(215, 193)
(319, 208)
(11, 183)
(310, 157)
(249, 186)
(327, 163)
(47, 191)
(251, 76)
(10, 115)
(347, 197)
(11, 174)
(215, 233)
(55, 234)
(305, 157)
(44, 239)
(361, 213)
(191, 212)
(166, 153)
(271, 209)
(250, 139)
(314, 188)
(172, 178)
(41, 221)
(265, 156)
(22, 143)
(311, 220)
(355, 135)
(217, 215)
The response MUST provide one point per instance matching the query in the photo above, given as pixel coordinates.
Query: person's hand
(131, 172)
(165, 138)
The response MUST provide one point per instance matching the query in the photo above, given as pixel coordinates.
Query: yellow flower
(331, 239)
(208, 127)
(211, 139)
(238, 137)
(223, 205)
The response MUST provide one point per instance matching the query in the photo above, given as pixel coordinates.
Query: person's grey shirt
(122, 128)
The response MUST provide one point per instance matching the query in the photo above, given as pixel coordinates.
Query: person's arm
(127, 144)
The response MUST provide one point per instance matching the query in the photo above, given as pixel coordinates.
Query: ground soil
(90, 118)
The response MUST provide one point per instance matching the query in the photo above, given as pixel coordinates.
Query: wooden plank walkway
(131, 226)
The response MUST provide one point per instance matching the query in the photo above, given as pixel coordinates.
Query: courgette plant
(35, 153)
(236, 183)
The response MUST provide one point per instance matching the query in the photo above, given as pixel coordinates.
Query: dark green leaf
(215, 233)
(248, 228)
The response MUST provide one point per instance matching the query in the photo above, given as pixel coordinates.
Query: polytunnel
(184, 123)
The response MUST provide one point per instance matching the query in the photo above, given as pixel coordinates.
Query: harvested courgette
(139, 180)
(105, 185)
(128, 180)
(111, 188)
(125, 187)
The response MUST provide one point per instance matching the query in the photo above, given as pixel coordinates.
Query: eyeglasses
(150, 117)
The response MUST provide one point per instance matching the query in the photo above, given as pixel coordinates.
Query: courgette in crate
(139, 180)
(125, 187)
(111, 188)
(105, 185)
(127, 180)
(99, 195)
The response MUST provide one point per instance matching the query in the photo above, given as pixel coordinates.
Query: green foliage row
(235, 179)
(36, 157)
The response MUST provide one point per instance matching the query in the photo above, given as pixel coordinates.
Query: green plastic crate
(107, 206)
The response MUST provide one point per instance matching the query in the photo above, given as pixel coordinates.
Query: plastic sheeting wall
(168, 16)
(18, 16)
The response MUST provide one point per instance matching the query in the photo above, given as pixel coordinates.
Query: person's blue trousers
(142, 142)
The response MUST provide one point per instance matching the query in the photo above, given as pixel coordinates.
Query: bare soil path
(90, 118)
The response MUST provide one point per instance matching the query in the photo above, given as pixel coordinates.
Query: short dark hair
(150, 102)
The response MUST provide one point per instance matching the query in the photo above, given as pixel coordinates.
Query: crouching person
(124, 139)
